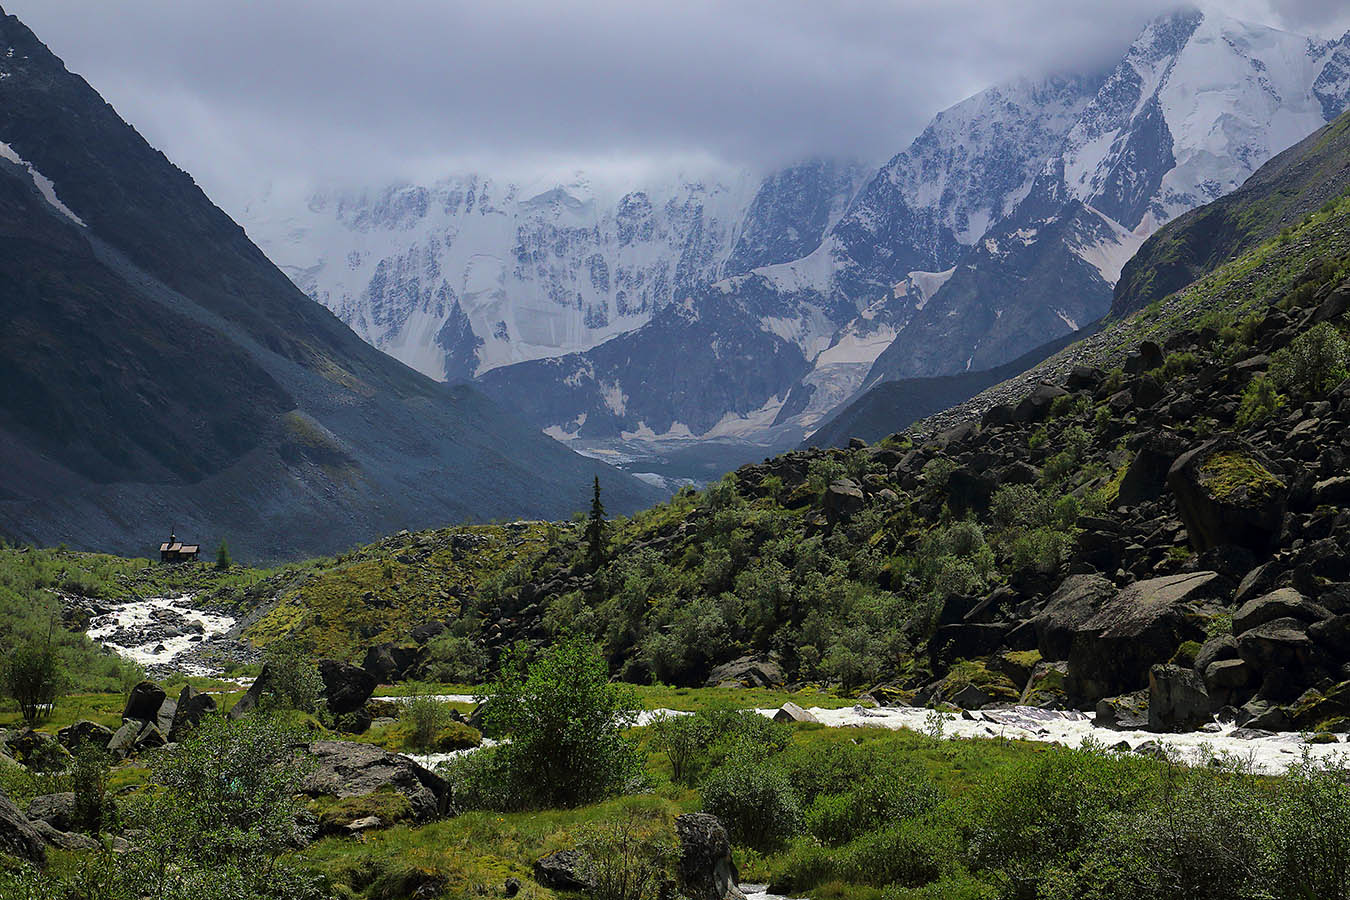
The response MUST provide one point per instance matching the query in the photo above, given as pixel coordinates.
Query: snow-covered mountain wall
(471, 273)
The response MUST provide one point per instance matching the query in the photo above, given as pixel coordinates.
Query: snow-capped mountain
(1197, 104)
(1004, 225)
(471, 273)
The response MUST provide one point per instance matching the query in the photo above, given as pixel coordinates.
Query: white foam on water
(139, 613)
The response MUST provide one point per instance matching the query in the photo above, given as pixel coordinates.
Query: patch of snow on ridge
(924, 285)
(44, 184)
(1110, 254)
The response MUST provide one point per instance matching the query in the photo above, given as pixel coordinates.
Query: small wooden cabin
(174, 550)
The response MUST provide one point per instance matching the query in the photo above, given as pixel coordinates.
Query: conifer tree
(595, 528)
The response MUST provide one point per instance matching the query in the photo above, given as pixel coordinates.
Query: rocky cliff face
(159, 370)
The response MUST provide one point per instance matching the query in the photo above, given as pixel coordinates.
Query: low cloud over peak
(243, 94)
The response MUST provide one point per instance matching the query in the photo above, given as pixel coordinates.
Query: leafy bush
(879, 799)
(33, 678)
(89, 782)
(1045, 809)
(293, 678)
(1308, 831)
(1314, 363)
(755, 801)
(423, 715)
(229, 790)
(1259, 401)
(631, 857)
(564, 720)
(936, 473)
(955, 560)
(683, 741)
(456, 658)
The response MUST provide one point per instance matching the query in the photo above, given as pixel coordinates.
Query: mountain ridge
(166, 373)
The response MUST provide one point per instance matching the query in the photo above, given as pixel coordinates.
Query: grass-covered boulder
(1227, 495)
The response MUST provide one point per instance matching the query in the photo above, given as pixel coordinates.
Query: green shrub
(564, 720)
(1176, 365)
(955, 560)
(293, 678)
(456, 658)
(1043, 810)
(422, 715)
(631, 857)
(89, 782)
(880, 798)
(1313, 364)
(1259, 401)
(683, 740)
(936, 473)
(1308, 832)
(33, 678)
(755, 801)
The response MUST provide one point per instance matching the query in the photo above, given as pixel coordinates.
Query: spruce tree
(223, 560)
(595, 528)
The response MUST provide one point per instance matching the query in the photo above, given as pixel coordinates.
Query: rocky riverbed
(166, 634)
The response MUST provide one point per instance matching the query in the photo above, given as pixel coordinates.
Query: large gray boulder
(747, 671)
(1036, 405)
(1284, 603)
(17, 835)
(348, 769)
(1139, 627)
(1077, 600)
(191, 708)
(346, 687)
(1227, 495)
(133, 737)
(84, 730)
(57, 810)
(144, 702)
(705, 870)
(1146, 477)
(566, 870)
(389, 662)
(65, 840)
(842, 499)
(1128, 711)
(1177, 700)
(252, 698)
(1279, 644)
(791, 712)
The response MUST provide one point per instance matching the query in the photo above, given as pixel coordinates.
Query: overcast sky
(240, 93)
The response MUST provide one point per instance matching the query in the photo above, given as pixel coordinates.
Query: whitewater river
(157, 631)
(1267, 752)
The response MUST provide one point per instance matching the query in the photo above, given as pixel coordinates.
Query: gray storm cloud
(245, 93)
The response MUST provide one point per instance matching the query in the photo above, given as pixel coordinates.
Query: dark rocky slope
(159, 371)
(1279, 194)
(1162, 542)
